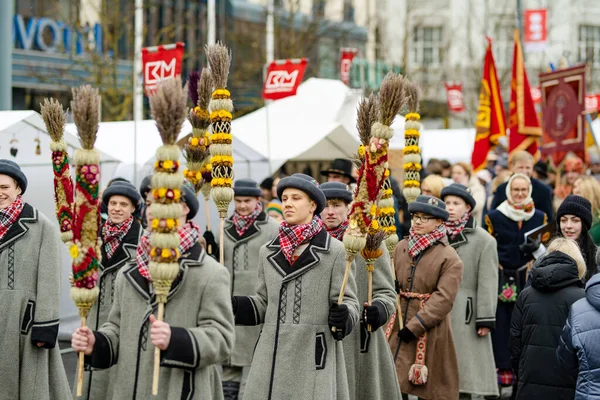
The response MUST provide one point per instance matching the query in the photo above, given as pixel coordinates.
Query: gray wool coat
(296, 357)
(97, 385)
(474, 308)
(202, 332)
(30, 275)
(369, 360)
(241, 260)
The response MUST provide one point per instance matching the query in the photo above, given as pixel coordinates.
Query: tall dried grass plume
(391, 97)
(366, 116)
(219, 59)
(86, 114)
(54, 117)
(168, 108)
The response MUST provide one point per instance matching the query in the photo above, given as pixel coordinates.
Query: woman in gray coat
(299, 279)
(196, 335)
(474, 311)
(246, 231)
(120, 235)
(369, 360)
(30, 271)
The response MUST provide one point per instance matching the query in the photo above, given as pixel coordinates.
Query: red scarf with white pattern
(113, 234)
(9, 215)
(292, 236)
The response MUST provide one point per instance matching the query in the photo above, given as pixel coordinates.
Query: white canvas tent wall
(450, 144)
(302, 127)
(26, 126)
(117, 139)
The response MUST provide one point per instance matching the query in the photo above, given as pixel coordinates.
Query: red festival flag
(491, 122)
(161, 62)
(523, 125)
(346, 57)
(283, 78)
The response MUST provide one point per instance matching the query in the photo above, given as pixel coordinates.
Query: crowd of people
(493, 284)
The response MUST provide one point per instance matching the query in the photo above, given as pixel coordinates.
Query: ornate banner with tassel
(55, 119)
(197, 148)
(168, 109)
(221, 150)
(85, 249)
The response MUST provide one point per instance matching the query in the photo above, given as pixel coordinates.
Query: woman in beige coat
(429, 273)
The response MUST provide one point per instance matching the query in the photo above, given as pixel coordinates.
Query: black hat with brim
(336, 190)
(429, 205)
(458, 190)
(340, 166)
(125, 189)
(12, 169)
(246, 187)
(308, 185)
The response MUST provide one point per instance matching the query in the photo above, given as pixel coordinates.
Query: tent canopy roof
(27, 126)
(117, 139)
(301, 127)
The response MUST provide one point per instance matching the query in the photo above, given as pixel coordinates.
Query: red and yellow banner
(524, 126)
(491, 123)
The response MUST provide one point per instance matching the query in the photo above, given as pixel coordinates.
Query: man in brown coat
(429, 274)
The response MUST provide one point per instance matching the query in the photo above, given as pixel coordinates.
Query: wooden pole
(80, 366)
(370, 268)
(222, 242)
(161, 313)
(394, 277)
(344, 284)
(206, 209)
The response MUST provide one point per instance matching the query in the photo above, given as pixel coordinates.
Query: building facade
(444, 40)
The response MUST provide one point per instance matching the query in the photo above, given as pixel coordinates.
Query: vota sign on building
(48, 35)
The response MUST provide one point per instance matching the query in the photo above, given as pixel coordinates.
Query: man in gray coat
(30, 271)
(369, 361)
(300, 274)
(474, 313)
(246, 231)
(196, 335)
(120, 235)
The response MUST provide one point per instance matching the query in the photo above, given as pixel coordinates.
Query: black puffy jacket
(537, 322)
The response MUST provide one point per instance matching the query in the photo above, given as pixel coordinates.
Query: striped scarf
(113, 234)
(9, 215)
(419, 243)
(188, 236)
(453, 228)
(243, 222)
(292, 236)
(339, 231)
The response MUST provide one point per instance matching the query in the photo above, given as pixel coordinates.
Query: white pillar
(138, 93)
(212, 28)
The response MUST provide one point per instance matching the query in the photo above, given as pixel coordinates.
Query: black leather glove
(397, 286)
(211, 244)
(339, 317)
(375, 315)
(406, 335)
(530, 246)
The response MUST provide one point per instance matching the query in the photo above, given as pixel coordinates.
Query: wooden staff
(80, 364)
(156, 371)
(222, 242)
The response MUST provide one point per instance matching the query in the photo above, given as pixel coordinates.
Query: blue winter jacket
(579, 348)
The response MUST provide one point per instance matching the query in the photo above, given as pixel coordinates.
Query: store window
(589, 44)
(427, 46)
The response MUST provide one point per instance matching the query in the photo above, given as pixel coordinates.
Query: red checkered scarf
(243, 222)
(453, 228)
(339, 231)
(113, 234)
(9, 215)
(188, 236)
(419, 243)
(292, 236)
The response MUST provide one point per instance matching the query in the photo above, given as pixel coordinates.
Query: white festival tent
(319, 123)
(304, 127)
(117, 139)
(26, 127)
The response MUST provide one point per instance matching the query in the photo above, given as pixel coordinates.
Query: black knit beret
(308, 185)
(577, 206)
(429, 205)
(337, 190)
(12, 169)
